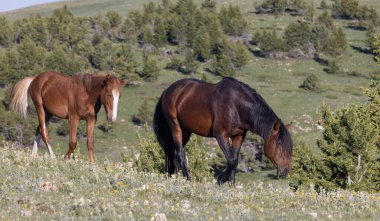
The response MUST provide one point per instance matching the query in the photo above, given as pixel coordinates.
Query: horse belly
(55, 104)
(197, 121)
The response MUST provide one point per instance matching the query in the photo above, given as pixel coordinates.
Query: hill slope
(42, 188)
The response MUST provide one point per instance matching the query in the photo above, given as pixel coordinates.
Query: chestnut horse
(75, 98)
(226, 111)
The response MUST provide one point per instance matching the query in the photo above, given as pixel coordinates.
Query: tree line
(69, 44)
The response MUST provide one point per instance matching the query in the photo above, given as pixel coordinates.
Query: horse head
(278, 148)
(111, 94)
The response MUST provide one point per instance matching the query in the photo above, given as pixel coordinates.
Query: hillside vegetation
(41, 188)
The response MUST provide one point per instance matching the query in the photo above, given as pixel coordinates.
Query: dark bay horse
(75, 98)
(226, 111)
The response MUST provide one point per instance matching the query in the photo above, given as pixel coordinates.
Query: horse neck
(261, 120)
(95, 90)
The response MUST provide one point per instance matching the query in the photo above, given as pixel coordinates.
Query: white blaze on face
(115, 94)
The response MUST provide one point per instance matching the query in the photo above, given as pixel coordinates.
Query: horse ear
(276, 127)
(124, 82)
(106, 80)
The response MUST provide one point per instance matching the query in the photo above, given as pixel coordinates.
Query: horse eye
(109, 95)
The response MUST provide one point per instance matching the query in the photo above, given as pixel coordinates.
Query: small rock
(314, 215)
(159, 217)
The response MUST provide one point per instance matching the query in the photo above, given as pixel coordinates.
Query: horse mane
(88, 79)
(262, 116)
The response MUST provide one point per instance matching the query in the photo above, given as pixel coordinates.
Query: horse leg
(234, 154)
(225, 147)
(179, 155)
(38, 137)
(43, 119)
(73, 126)
(90, 138)
(36, 142)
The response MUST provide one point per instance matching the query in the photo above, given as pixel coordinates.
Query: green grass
(276, 80)
(41, 188)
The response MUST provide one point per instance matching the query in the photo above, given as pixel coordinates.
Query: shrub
(150, 71)
(349, 151)
(197, 160)
(144, 114)
(332, 66)
(174, 64)
(311, 83)
(152, 159)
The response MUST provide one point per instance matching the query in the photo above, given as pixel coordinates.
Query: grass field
(276, 80)
(43, 189)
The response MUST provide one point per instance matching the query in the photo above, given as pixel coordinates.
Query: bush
(349, 151)
(150, 71)
(311, 83)
(332, 66)
(144, 114)
(152, 158)
(197, 160)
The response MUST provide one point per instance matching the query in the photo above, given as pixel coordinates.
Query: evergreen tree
(201, 45)
(222, 64)
(298, 35)
(147, 35)
(376, 44)
(144, 114)
(336, 43)
(311, 83)
(209, 5)
(323, 4)
(349, 149)
(150, 70)
(240, 55)
(160, 37)
(189, 65)
(232, 20)
(124, 62)
(6, 32)
(114, 18)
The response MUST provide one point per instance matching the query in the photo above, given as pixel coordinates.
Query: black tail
(164, 136)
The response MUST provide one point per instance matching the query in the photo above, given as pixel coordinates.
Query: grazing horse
(75, 98)
(226, 111)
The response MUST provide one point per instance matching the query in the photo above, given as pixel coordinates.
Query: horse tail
(164, 137)
(19, 96)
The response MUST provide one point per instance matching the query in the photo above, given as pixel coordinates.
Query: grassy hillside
(93, 7)
(41, 188)
(276, 80)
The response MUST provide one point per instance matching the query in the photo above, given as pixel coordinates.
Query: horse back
(187, 102)
(55, 92)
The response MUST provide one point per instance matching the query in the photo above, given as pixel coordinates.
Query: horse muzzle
(282, 172)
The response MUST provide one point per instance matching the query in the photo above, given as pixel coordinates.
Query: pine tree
(150, 71)
(323, 4)
(336, 43)
(160, 37)
(114, 18)
(348, 156)
(144, 114)
(240, 55)
(125, 64)
(189, 65)
(6, 32)
(376, 44)
(147, 35)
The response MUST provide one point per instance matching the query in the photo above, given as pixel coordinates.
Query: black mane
(262, 116)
